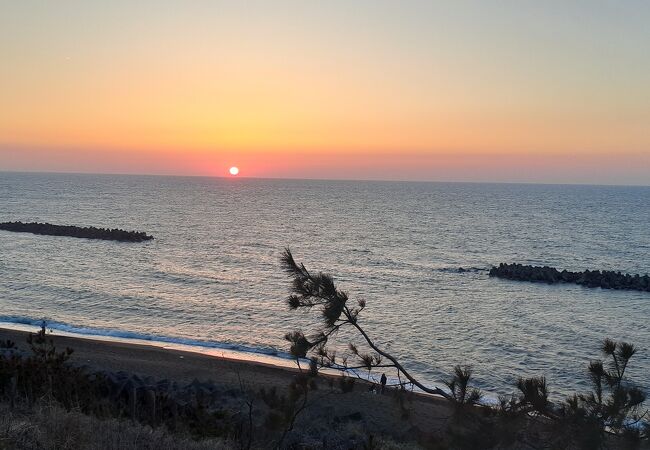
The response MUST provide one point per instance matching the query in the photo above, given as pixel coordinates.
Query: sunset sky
(532, 91)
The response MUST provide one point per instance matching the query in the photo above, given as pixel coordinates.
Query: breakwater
(605, 279)
(113, 234)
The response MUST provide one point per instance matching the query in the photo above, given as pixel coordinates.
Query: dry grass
(48, 428)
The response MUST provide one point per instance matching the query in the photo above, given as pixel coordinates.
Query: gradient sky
(533, 91)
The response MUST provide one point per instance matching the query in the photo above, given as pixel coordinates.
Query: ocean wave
(489, 398)
(135, 336)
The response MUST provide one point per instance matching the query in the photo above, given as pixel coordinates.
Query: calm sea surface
(212, 275)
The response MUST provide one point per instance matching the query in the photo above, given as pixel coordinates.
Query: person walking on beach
(383, 382)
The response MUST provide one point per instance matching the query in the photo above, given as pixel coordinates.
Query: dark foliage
(346, 384)
(285, 409)
(614, 405)
(529, 419)
(45, 374)
(461, 393)
(7, 344)
(533, 394)
(320, 291)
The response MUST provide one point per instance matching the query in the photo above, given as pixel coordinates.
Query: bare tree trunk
(436, 391)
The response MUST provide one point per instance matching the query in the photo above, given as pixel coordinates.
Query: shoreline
(417, 418)
(359, 408)
(93, 350)
(158, 362)
(213, 349)
(87, 340)
(210, 352)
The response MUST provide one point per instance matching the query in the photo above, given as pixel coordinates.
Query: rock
(589, 278)
(114, 234)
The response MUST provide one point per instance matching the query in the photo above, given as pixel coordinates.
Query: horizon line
(383, 180)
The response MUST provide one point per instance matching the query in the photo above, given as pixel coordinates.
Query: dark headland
(605, 279)
(113, 234)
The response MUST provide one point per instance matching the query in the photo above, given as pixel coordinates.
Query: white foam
(221, 349)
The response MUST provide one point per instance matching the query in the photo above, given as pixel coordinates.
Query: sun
(234, 171)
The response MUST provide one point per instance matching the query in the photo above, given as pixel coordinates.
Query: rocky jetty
(605, 279)
(78, 232)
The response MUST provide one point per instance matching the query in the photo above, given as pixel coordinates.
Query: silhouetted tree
(613, 408)
(534, 396)
(285, 409)
(461, 393)
(320, 291)
(614, 405)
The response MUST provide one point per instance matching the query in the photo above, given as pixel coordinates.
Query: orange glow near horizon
(305, 90)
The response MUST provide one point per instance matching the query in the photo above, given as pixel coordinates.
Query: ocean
(211, 278)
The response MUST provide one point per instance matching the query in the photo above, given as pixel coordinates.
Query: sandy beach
(161, 363)
(376, 413)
